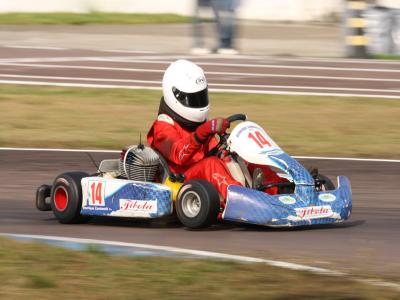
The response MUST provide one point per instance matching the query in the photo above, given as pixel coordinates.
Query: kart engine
(139, 163)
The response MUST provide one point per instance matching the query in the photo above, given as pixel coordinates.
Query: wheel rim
(191, 204)
(60, 198)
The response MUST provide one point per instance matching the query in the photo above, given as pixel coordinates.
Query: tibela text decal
(149, 206)
(314, 212)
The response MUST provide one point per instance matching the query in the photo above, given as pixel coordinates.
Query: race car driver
(182, 133)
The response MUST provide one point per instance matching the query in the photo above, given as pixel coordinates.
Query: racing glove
(209, 128)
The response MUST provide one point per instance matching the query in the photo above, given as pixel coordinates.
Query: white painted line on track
(130, 51)
(34, 47)
(138, 70)
(304, 76)
(206, 254)
(210, 84)
(265, 92)
(349, 159)
(270, 92)
(325, 60)
(209, 255)
(85, 79)
(308, 59)
(118, 151)
(58, 150)
(154, 60)
(82, 67)
(270, 66)
(260, 58)
(120, 58)
(235, 57)
(303, 87)
(59, 59)
(84, 85)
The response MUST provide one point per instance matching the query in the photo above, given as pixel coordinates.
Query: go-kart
(140, 185)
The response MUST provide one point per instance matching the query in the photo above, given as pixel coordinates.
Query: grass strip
(113, 118)
(386, 56)
(89, 18)
(45, 272)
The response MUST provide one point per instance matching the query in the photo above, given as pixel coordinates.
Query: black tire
(66, 197)
(328, 184)
(197, 204)
(43, 192)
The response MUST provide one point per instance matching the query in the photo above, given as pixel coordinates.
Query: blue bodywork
(130, 199)
(305, 207)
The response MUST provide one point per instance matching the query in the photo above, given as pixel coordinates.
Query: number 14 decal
(97, 193)
(260, 140)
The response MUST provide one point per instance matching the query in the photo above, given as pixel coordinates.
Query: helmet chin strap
(165, 109)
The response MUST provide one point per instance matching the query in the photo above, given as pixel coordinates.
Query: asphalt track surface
(367, 244)
(246, 74)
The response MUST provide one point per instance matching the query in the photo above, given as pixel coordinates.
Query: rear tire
(197, 204)
(66, 197)
(43, 192)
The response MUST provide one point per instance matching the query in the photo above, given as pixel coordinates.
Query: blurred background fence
(383, 30)
(369, 26)
(283, 10)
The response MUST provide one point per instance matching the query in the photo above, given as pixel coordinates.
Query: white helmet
(185, 90)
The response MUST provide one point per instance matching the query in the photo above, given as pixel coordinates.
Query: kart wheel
(66, 197)
(197, 204)
(328, 184)
(42, 193)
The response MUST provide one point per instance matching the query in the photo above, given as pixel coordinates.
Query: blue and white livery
(306, 206)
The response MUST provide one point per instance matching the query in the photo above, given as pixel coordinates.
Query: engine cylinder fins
(139, 163)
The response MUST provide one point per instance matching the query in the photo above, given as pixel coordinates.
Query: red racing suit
(186, 155)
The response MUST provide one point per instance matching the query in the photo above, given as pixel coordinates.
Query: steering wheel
(223, 137)
(237, 117)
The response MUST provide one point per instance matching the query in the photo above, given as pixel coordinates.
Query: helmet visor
(196, 100)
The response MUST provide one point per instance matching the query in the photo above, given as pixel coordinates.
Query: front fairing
(305, 207)
(255, 146)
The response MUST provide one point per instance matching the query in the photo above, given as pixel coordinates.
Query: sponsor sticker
(327, 197)
(183, 189)
(272, 152)
(148, 206)
(287, 200)
(314, 212)
(201, 80)
(165, 118)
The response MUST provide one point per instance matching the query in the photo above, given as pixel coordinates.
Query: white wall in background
(289, 10)
(274, 10)
(389, 3)
(181, 7)
(76, 6)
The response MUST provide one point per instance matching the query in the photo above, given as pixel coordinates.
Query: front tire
(197, 204)
(66, 197)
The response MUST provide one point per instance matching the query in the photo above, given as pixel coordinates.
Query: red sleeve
(165, 138)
